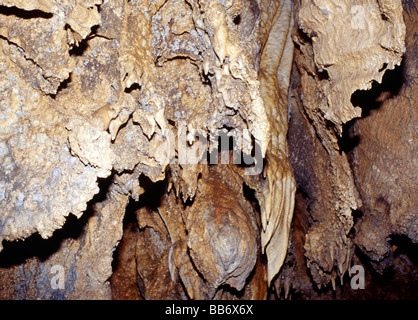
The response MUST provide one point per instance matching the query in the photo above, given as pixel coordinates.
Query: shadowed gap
(25, 14)
(16, 252)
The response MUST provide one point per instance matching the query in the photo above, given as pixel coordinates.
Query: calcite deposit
(341, 49)
(203, 149)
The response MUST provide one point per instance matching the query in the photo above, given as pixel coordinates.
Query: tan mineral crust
(104, 103)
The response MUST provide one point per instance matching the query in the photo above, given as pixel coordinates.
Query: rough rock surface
(376, 158)
(332, 61)
(110, 111)
(206, 254)
(385, 162)
(120, 90)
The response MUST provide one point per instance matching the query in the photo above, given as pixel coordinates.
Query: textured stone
(385, 159)
(103, 105)
(333, 60)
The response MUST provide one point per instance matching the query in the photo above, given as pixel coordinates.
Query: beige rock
(334, 60)
(43, 5)
(109, 108)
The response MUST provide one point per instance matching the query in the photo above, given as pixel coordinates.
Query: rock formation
(206, 149)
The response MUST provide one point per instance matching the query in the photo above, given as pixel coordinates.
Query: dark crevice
(129, 223)
(80, 49)
(322, 74)
(237, 19)
(63, 85)
(134, 86)
(206, 79)
(84, 44)
(357, 215)
(303, 38)
(394, 282)
(23, 52)
(94, 30)
(349, 139)
(390, 87)
(152, 196)
(378, 279)
(17, 252)
(159, 61)
(404, 246)
(24, 14)
(250, 195)
(384, 66)
(384, 17)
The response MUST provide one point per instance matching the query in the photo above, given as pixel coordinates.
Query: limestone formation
(204, 149)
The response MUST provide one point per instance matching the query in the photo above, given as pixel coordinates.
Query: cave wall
(100, 95)
(108, 108)
(384, 161)
(375, 154)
